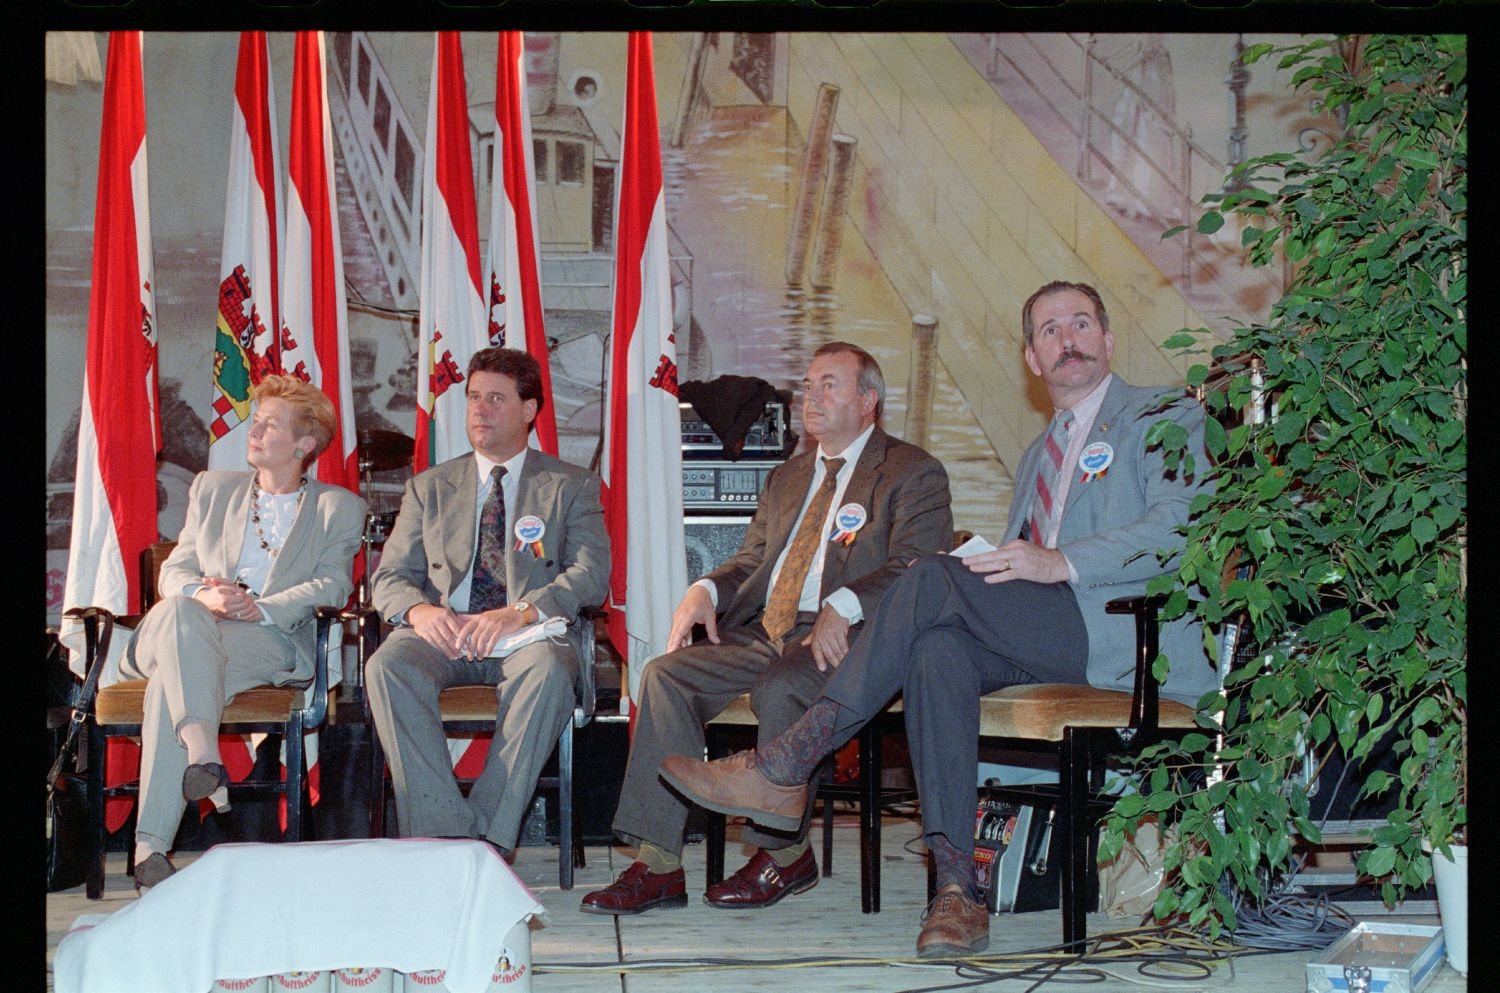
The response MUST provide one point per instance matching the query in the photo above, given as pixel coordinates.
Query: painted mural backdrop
(905, 192)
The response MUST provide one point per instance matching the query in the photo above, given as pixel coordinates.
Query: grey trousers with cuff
(682, 691)
(943, 637)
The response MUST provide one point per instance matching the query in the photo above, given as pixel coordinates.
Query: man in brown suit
(788, 605)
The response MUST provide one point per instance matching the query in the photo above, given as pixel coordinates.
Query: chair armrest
(317, 704)
(98, 629)
(1144, 697)
(587, 679)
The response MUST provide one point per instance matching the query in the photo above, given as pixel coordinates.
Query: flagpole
(515, 312)
(643, 454)
(451, 317)
(315, 326)
(119, 423)
(245, 346)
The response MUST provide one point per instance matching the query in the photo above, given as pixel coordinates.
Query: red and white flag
(451, 319)
(314, 319)
(514, 308)
(245, 348)
(119, 425)
(643, 456)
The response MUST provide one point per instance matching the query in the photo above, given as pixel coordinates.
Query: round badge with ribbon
(847, 522)
(1095, 460)
(529, 532)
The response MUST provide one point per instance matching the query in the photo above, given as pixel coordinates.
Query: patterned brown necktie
(1049, 471)
(781, 609)
(487, 587)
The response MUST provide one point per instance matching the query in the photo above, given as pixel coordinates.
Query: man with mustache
(1093, 504)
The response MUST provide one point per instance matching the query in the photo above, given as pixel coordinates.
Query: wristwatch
(524, 608)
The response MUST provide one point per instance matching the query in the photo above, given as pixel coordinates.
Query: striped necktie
(1044, 509)
(781, 608)
(487, 587)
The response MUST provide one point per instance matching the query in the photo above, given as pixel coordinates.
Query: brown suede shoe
(761, 882)
(636, 890)
(953, 926)
(734, 786)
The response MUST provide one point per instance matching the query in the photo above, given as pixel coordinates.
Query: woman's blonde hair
(312, 411)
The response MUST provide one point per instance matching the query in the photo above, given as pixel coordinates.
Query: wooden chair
(865, 791)
(1086, 726)
(117, 710)
(471, 710)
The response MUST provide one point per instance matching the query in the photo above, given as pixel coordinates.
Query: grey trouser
(194, 664)
(943, 638)
(534, 697)
(682, 691)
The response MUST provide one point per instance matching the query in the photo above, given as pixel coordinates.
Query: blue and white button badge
(529, 531)
(1095, 460)
(847, 522)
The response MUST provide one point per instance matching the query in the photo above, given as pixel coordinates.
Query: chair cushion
(124, 703)
(1040, 711)
(468, 703)
(739, 712)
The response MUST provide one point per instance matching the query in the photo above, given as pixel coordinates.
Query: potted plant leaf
(1348, 499)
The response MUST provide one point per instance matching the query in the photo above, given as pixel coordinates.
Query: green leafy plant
(1348, 501)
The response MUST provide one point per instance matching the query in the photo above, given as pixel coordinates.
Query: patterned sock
(950, 866)
(786, 856)
(790, 758)
(658, 860)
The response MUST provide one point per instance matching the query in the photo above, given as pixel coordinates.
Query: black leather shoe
(761, 882)
(153, 870)
(200, 780)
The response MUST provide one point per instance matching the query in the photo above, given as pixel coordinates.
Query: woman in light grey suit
(259, 552)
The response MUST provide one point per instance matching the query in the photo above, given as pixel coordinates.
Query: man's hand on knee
(1017, 559)
(697, 607)
(829, 638)
(479, 633)
(438, 626)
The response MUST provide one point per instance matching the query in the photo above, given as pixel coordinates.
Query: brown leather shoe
(734, 786)
(761, 882)
(953, 926)
(636, 890)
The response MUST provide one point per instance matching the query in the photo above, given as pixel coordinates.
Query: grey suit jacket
(1113, 526)
(903, 489)
(431, 547)
(313, 569)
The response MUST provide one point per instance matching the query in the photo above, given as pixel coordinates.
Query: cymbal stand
(363, 612)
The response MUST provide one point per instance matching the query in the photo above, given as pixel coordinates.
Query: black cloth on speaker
(730, 405)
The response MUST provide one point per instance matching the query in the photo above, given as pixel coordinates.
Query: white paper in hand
(552, 627)
(973, 546)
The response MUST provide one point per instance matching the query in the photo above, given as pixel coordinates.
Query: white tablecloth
(260, 909)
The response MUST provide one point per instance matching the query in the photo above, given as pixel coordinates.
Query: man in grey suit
(1094, 502)
(833, 528)
(484, 545)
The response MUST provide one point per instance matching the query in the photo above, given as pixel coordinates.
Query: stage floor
(584, 953)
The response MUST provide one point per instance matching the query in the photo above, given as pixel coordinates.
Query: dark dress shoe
(734, 786)
(153, 870)
(953, 926)
(636, 890)
(200, 780)
(761, 882)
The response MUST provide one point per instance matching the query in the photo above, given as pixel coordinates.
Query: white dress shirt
(842, 599)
